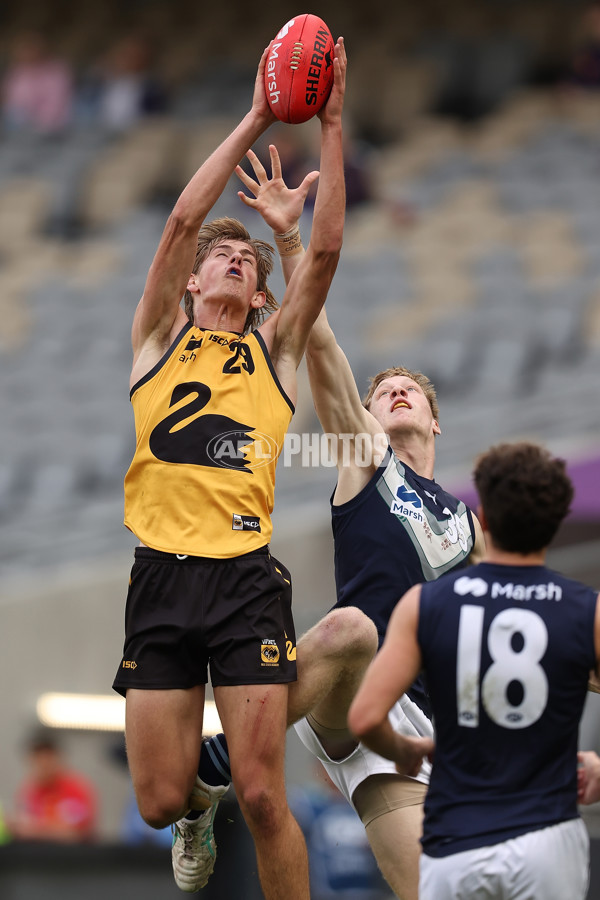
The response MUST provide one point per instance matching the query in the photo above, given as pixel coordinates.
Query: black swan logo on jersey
(184, 436)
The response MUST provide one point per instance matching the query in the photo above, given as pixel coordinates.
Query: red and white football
(299, 69)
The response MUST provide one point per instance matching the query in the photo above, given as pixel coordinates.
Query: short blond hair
(211, 234)
(422, 380)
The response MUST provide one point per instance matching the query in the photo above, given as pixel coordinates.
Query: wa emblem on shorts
(269, 653)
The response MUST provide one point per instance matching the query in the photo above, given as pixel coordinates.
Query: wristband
(289, 243)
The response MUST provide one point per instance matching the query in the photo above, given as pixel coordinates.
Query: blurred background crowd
(471, 252)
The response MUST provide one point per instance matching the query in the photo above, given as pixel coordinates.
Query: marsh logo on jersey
(269, 653)
(549, 591)
(405, 500)
(477, 587)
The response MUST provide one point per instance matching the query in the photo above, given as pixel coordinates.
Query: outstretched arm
(287, 333)
(159, 309)
(336, 397)
(389, 676)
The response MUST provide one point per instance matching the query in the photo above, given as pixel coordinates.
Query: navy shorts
(186, 613)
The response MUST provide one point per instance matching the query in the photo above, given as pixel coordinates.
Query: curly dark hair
(212, 233)
(525, 494)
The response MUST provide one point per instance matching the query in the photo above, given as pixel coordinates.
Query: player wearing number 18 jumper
(507, 648)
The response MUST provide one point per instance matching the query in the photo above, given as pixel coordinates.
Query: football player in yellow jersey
(212, 400)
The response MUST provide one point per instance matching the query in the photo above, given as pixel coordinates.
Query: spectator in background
(298, 159)
(295, 157)
(37, 89)
(357, 168)
(125, 89)
(54, 803)
(585, 66)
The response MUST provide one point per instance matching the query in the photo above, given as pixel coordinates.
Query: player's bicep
(335, 394)
(303, 300)
(478, 551)
(402, 634)
(166, 283)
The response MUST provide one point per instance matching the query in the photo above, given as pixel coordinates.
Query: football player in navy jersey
(507, 647)
(394, 526)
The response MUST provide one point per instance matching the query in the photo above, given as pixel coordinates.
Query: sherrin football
(299, 69)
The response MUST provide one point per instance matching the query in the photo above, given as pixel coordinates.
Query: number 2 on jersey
(509, 665)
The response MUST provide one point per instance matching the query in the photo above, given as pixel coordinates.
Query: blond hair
(422, 380)
(213, 233)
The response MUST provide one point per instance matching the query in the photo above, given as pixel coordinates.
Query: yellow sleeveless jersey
(210, 420)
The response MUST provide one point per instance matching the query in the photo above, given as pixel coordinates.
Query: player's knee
(160, 808)
(264, 808)
(348, 630)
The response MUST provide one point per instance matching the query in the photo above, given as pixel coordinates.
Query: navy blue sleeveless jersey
(507, 652)
(400, 530)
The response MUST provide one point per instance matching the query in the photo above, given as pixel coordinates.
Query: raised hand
(332, 111)
(260, 105)
(410, 753)
(279, 205)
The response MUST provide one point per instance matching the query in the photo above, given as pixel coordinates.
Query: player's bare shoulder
(148, 350)
(268, 332)
(281, 354)
(359, 456)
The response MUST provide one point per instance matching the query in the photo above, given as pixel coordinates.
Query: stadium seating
(476, 260)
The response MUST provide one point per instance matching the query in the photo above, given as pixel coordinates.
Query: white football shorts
(406, 718)
(548, 864)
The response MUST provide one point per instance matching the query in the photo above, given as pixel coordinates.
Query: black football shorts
(186, 613)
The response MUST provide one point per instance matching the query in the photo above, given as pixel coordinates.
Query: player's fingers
(259, 169)
(339, 74)
(262, 63)
(411, 769)
(246, 179)
(275, 161)
(307, 181)
(416, 768)
(249, 201)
